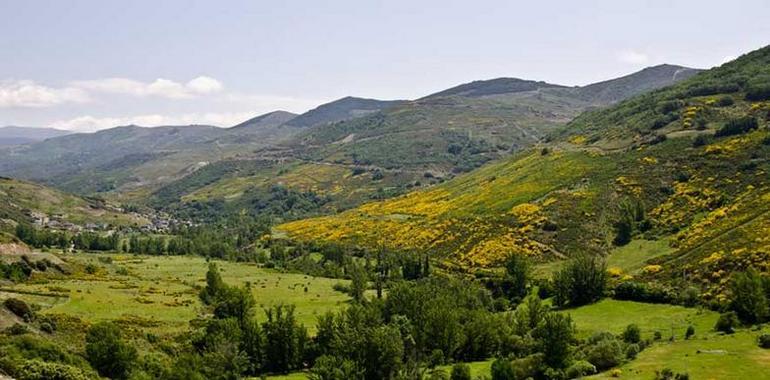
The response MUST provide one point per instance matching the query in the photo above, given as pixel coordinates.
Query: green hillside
(700, 180)
(22, 201)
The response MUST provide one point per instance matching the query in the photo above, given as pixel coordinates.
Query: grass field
(707, 355)
(159, 290)
(633, 256)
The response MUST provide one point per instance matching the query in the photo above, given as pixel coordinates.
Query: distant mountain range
(25, 135)
(391, 146)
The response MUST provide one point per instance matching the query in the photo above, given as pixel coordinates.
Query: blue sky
(87, 65)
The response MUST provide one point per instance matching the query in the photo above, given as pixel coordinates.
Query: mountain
(409, 145)
(25, 135)
(346, 152)
(342, 109)
(683, 168)
(268, 120)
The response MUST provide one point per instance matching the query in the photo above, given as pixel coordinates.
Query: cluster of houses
(159, 223)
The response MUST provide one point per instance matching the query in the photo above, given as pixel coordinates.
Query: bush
(581, 282)
(19, 308)
(502, 370)
(605, 354)
(657, 335)
(580, 368)
(764, 341)
(632, 334)
(725, 101)
(461, 371)
(757, 92)
(737, 126)
(749, 300)
(39, 370)
(632, 350)
(108, 353)
(690, 332)
(700, 140)
(641, 292)
(668, 374)
(727, 322)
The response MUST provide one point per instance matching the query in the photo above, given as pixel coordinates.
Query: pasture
(160, 292)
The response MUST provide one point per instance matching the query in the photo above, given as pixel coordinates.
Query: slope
(705, 188)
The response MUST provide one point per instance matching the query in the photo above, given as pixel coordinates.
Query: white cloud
(89, 123)
(205, 85)
(633, 57)
(27, 93)
(160, 87)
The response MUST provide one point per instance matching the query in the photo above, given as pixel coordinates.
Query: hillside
(268, 120)
(26, 135)
(702, 187)
(25, 201)
(411, 144)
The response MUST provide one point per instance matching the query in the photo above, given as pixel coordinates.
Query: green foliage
(605, 352)
(643, 292)
(108, 353)
(580, 368)
(581, 281)
(668, 374)
(764, 340)
(555, 334)
(335, 368)
(517, 270)
(502, 369)
(461, 371)
(20, 308)
(749, 300)
(737, 126)
(727, 322)
(359, 282)
(690, 332)
(285, 340)
(632, 334)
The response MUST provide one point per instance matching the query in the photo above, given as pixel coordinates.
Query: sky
(88, 65)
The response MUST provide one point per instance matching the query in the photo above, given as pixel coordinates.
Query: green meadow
(161, 291)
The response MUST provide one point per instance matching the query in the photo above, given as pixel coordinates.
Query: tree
(517, 270)
(502, 369)
(285, 339)
(214, 285)
(358, 282)
(233, 302)
(108, 353)
(555, 334)
(581, 281)
(727, 322)
(335, 368)
(748, 297)
(632, 334)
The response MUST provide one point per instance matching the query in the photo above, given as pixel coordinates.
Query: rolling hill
(701, 181)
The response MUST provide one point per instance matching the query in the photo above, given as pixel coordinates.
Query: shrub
(749, 300)
(580, 368)
(502, 370)
(461, 371)
(725, 101)
(757, 92)
(605, 354)
(764, 341)
(700, 140)
(689, 296)
(690, 332)
(39, 370)
(737, 126)
(632, 350)
(632, 334)
(641, 292)
(657, 335)
(668, 374)
(582, 281)
(727, 322)
(108, 353)
(19, 308)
